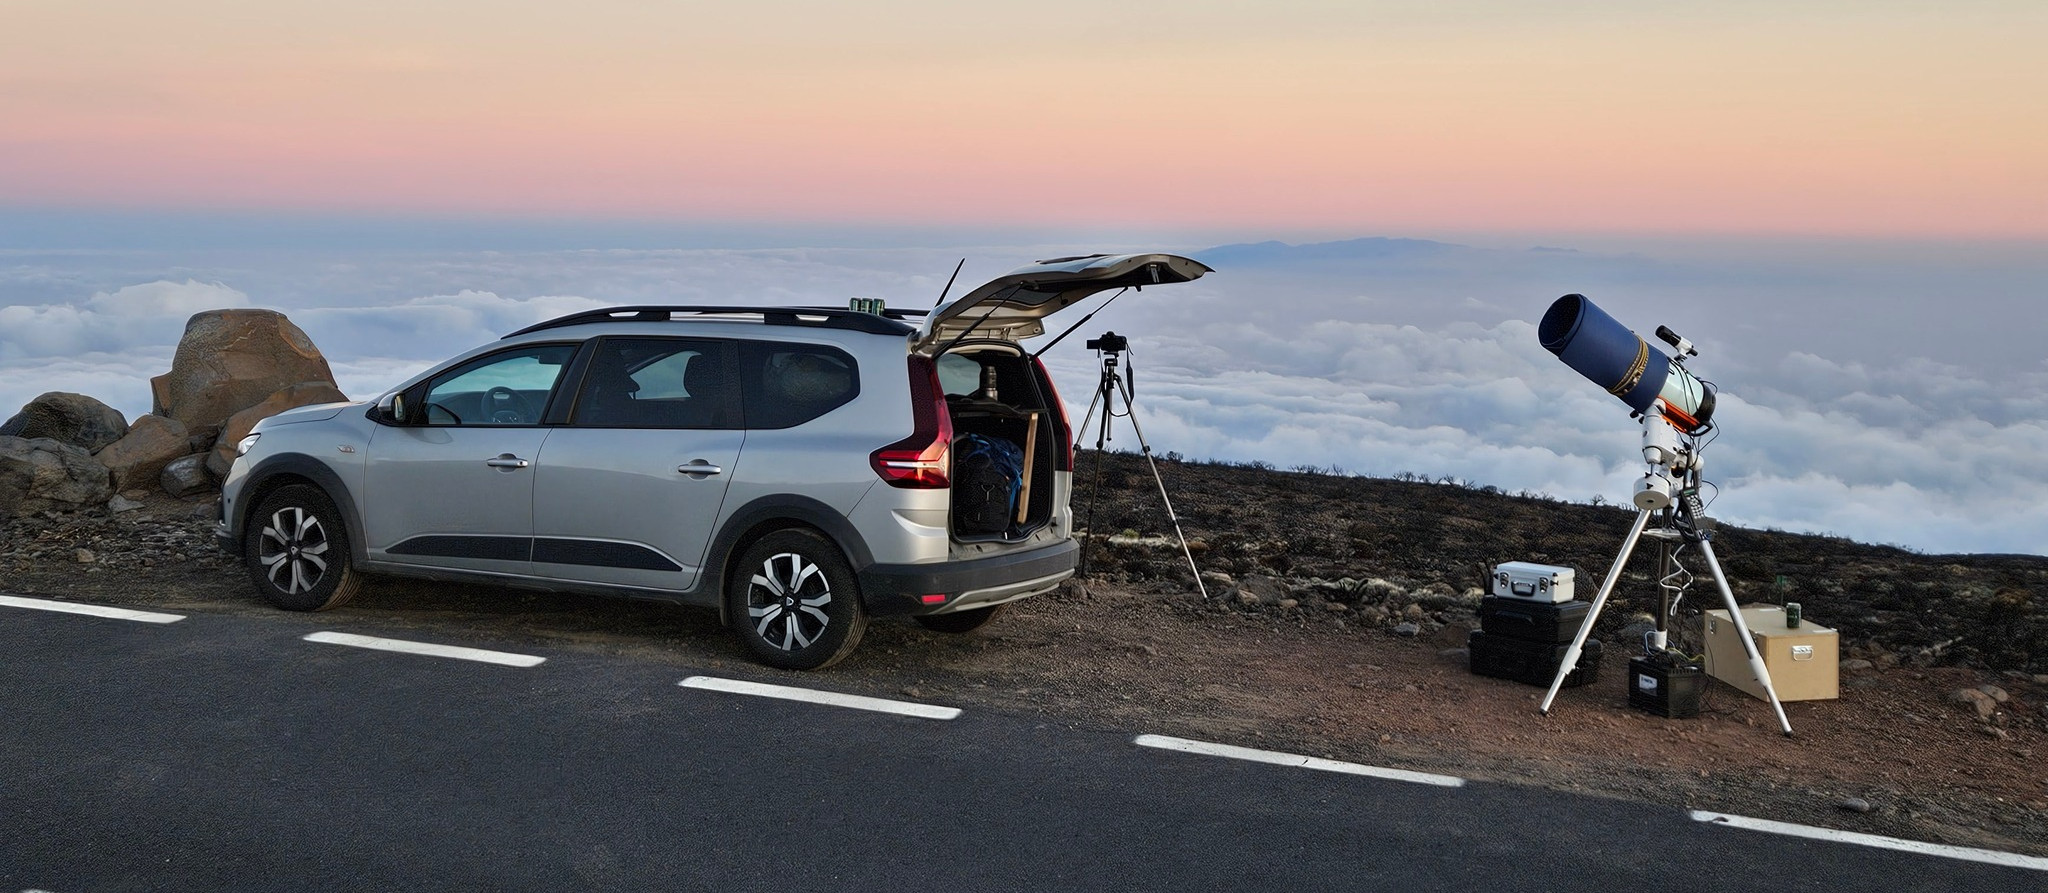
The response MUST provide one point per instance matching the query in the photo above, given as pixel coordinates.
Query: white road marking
(404, 647)
(1994, 857)
(1276, 758)
(833, 699)
(37, 604)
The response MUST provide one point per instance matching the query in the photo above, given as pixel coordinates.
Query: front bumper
(978, 583)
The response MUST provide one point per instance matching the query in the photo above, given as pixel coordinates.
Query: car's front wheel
(297, 551)
(794, 602)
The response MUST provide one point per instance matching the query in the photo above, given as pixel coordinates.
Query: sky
(1845, 204)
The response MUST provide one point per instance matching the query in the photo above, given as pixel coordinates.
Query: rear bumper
(902, 588)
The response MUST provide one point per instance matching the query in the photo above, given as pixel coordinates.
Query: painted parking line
(1994, 857)
(431, 650)
(810, 696)
(37, 604)
(1276, 758)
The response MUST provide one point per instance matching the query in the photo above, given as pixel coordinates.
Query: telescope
(1608, 354)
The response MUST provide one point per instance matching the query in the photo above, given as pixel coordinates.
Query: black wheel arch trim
(781, 507)
(261, 480)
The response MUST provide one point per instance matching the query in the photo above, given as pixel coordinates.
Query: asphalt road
(224, 752)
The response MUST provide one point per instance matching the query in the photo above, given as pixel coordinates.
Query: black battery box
(1535, 663)
(1665, 687)
(1532, 621)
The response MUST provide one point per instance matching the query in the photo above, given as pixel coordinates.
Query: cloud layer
(1871, 426)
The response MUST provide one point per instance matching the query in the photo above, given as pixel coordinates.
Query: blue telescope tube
(1604, 351)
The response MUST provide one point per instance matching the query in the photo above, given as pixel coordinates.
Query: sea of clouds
(1893, 394)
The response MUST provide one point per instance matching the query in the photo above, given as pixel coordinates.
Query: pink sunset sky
(1827, 118)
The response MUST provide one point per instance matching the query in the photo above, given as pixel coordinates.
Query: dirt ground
(1892, 756)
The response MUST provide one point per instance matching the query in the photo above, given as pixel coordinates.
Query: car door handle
(507, 460)
(699, 467)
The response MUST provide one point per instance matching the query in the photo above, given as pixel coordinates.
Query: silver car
(800, 469)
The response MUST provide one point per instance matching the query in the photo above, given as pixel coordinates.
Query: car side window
(507, 388)
(790, 384)
(658, 383)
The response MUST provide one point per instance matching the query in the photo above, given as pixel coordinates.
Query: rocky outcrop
(69, 418)
(42, 473)
(238, 426)
(187, 476)
(230, 360)
(138, 459)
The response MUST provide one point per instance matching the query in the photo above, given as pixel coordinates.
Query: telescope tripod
(1678, 522)
(1111, 387)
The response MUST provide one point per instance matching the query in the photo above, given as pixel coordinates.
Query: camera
(1110, 342)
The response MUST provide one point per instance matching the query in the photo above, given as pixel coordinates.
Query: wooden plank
(1030, 460)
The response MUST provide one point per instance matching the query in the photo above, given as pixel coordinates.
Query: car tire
(960, 621)
(794, 602)
(297, 551)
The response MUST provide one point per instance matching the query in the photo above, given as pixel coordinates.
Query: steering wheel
(506, 407)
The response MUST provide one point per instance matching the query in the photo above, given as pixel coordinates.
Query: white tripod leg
(1756, 660)
(1571, 654)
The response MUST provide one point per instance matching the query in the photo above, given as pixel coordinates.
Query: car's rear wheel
(297, 551)
(960, 621)
(793, 600)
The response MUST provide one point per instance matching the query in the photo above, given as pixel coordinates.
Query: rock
(238, 426)
(138, 458)
(1457, 655)
(1217, 579)
(41, 474)
(120, 504)
(1409, 628)
(1289, 603)
(1262, 590)
(1985, 704)
(1854, 665)
(84, 556)
(67, 418)
(187, 476)
(1996, 693)
(1336, 607)
(229, 360)
(1854, 804)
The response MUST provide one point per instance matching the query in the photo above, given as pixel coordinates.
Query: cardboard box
(1804, 663)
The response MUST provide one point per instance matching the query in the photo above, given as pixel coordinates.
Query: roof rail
(890, 322)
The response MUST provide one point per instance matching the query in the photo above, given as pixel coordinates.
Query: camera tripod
(1111, 387)
(1680, 520)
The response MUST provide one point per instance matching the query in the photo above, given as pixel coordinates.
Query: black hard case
(1532, 621)
(1535, 663)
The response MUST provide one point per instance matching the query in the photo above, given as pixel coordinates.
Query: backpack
(988, 472)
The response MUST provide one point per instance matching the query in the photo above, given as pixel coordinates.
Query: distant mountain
(1253, 254)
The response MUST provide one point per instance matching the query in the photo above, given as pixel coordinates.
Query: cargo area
(1008, 442)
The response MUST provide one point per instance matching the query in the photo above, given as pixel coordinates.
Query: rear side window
(658, 383)
(789, 384)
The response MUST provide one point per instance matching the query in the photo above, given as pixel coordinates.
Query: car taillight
(920, 461)
(1060, 426)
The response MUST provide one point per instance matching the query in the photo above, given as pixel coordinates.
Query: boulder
(230, 360)
(186, 476)
(239, 425)
(138, 459)
(41, 473)
(70, 418)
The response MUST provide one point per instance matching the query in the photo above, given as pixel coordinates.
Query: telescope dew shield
(1619, 360)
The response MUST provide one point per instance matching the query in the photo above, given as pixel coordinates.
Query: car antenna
(1083, 322)
(949, 283)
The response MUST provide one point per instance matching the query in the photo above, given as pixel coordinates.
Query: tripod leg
(1102, 391)
(1571, 654)
(1132, 413)
(1756, 660)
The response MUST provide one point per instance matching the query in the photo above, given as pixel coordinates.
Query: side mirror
(393, 410)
